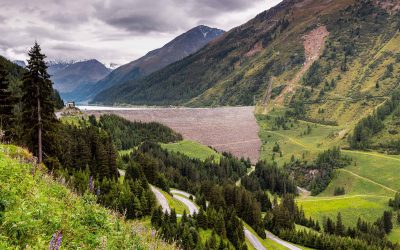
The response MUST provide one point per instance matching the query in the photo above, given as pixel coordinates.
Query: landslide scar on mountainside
(314, 44)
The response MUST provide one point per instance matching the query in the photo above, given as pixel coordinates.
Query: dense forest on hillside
(374, 123)
(127, 135)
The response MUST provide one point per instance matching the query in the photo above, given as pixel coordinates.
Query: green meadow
(369, 181)
(192, 149)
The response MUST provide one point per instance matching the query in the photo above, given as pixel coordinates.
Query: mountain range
(281, 53)
(177, 49)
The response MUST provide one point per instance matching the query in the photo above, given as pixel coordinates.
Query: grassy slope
(369, 181)
(36, 207)
(192, 149)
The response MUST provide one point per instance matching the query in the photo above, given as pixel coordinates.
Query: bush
(339, 191)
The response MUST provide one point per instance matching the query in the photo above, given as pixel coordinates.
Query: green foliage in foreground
(193, 150)
(33, 207)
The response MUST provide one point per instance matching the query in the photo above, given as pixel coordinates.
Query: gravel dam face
(227, 129)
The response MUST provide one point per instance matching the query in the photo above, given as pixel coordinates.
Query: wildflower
(58, 243)
(55, 242)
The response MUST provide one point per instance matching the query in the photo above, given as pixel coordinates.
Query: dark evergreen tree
(59, 103)
(6, 104)
(340, 230)
(39, 120)
(387, 221)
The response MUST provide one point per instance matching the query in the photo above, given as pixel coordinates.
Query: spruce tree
(387, 221)
(39, 120)
(6, 106)
(340, 230)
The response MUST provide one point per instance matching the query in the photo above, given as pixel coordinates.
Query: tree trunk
(39, 129)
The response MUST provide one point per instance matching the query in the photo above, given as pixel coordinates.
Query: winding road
(161, 199)
(192, 207)
(178, 194)
(253, 240)
(281, 242)
(176, 191)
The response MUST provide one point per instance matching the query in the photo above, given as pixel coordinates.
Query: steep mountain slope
(297, 46)
(73, 78)
(34, 207)
(179, 48)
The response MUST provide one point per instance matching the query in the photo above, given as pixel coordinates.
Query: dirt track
(230, 129)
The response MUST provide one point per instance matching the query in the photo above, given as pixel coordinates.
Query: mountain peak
(206, 31)
(182, 46)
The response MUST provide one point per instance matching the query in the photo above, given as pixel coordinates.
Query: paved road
(253, 240)
(161, 199)
(176, 191)
(281, 242)
(192, 207)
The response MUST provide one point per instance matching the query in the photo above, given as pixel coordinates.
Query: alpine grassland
(193, 149)
(34, 207)
(369, 180)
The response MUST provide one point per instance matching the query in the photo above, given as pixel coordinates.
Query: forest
(374, 123)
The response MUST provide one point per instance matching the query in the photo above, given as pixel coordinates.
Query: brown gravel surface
(229, 129)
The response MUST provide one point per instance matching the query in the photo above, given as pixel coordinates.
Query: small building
(70, 104)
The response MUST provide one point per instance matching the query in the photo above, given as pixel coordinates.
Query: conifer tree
(387, 221)
(38, 104)
(5, 103)
(339, 225)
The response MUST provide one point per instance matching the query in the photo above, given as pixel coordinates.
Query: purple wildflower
(58, 243)
(55, 242)
(91, 188)
(51, 247)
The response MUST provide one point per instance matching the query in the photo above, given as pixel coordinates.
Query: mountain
(177, 49)
(112, 66)
(71, 79)
(20, 63)
(329, 55)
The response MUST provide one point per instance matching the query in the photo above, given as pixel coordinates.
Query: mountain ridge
(72, 78)
(175, 50)
(268, 51)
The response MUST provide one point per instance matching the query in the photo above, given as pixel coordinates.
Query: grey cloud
(107, 29)
(140, 16)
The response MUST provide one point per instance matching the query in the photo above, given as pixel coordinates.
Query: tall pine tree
(39, 121)
(6, 103)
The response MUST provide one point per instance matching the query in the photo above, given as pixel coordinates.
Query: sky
(112, 31)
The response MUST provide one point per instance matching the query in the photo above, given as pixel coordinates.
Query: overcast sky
(115, 31)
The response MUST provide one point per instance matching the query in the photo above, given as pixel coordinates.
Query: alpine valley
(280, 133)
